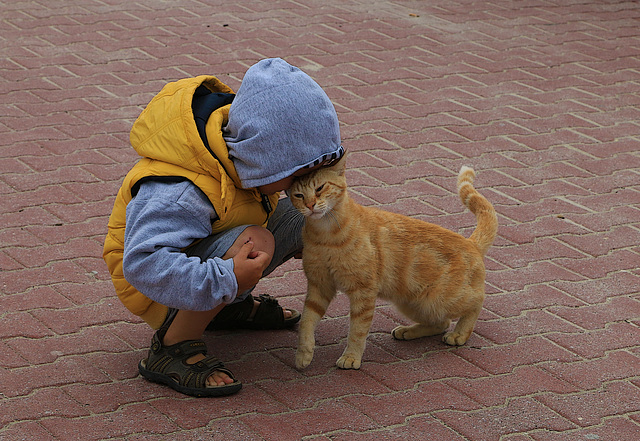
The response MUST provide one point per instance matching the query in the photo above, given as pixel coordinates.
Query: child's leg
(286, 226)
(190, 325)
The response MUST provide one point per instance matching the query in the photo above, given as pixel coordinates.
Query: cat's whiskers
(335, 219)
(293, 223)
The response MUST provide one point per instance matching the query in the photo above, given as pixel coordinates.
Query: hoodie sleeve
(163, 219)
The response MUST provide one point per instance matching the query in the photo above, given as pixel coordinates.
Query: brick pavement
(540, 97)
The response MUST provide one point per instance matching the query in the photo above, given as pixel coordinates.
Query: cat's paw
(348, 362)
(303, 358)
(400, 333)
(454, 338)
(419, 330)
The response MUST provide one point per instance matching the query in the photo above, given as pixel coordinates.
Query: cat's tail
(487, 228)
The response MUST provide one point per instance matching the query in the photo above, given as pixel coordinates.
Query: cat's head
(318, 192)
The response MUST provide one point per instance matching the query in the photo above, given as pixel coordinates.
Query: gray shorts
(286, 226)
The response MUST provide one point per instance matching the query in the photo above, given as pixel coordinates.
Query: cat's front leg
(315, 306)
(360, 319)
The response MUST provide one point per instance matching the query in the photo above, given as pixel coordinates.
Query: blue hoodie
(280, 121)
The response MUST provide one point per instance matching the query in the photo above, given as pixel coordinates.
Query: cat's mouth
(315, 214)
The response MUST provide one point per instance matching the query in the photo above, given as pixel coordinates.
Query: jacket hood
(166, 130)
(279, 122)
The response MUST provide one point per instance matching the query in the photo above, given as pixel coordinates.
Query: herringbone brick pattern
(541, 97)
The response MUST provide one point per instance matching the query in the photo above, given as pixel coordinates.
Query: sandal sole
(209, 391)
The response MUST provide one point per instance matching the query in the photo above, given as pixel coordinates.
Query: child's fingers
(245, 250)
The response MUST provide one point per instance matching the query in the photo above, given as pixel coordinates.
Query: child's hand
(248, 266)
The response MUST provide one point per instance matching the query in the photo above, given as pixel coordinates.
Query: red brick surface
(540, 97)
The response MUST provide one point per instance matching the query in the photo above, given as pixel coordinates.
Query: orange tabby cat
(431, 274)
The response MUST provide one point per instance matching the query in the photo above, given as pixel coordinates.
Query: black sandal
(268, 315)
(168, 365)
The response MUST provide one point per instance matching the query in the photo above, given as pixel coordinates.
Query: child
(198, 220)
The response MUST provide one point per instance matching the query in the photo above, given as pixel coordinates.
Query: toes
(303, 358)
(219, 379)
(348, 362)
(454, 339)
(398, 333)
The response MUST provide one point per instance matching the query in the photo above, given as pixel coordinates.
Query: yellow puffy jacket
(166, 136)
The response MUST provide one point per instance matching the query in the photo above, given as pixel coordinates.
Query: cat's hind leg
(463, 329)
(426, 326)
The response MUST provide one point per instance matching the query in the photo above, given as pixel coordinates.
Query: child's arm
(163, 219)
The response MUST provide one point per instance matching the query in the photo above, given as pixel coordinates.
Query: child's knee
(261, 237)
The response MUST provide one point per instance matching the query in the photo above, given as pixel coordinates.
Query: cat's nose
(310, 205)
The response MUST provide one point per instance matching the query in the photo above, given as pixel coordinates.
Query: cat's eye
(298, 195)
(319, 189)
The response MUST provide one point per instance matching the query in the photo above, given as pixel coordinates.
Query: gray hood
(279, 122)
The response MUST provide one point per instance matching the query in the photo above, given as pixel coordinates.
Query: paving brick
(603, 243)
(615, 428)
(417, 428)
(433, 366)
(137, 418)
(38, 297)
(109, 397)
(504, 359)
(44, 403)
(40, 256)
(598, 290)
(48, 349)
(325, 417)
(117, 366)
(530, 323)
(590, 374)
(389, 409)
(92, 292)
(311, 391)
(523, 381)
(588, 408)
(594, 344)
(599, 315)
(26, 431)
(260, 367)
(19, 281)
(193, 413)
(22, 324)
(217, 430)
(22, 381)
(537, 297)
(519, 415)
(601, 266)
(67, 321)
(522, 255)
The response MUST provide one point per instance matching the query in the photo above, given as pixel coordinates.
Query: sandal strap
(269, 312)
(268, 315)
(171, 361)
